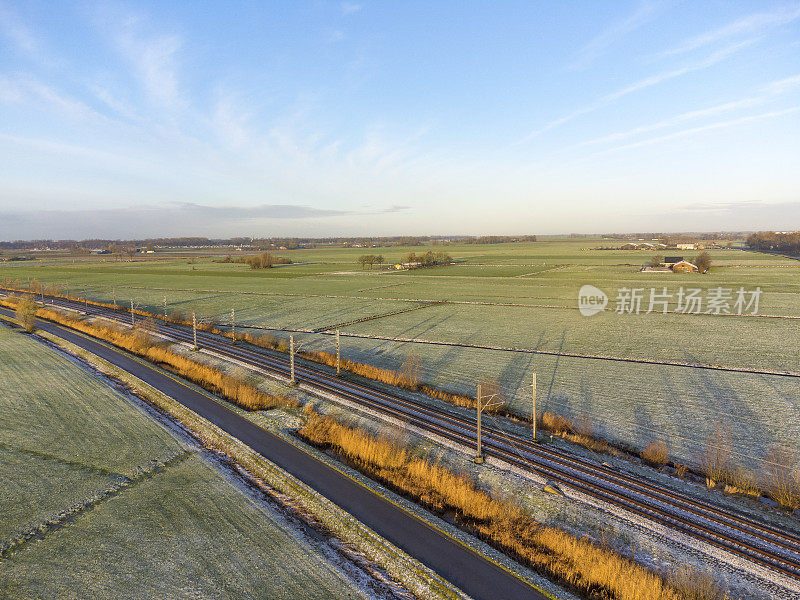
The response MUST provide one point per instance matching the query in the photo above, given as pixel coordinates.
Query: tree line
(266, 243)
(429, 259)
(370, 259)
(265, 260)
(772, 241)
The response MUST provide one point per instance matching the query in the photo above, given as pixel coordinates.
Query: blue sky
(338, 118)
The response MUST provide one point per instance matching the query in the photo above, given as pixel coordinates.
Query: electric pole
(165, 309)
(482, 405)
(85, 298)
(338, 355)
(194, 330)
(131, 312)
(479, 455)
(533, 406)
(291, 360)
(114, 296)
(233, 325)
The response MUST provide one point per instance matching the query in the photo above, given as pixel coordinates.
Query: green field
(521, 295)
(120, 508)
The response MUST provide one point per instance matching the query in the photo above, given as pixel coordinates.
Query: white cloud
(647, 82)
(754, 24)
(643, 14)
(766, 93)
(350, 7)
(18, 33)
(709, 61)
(702, 129)
(32, 92)
(154, 59)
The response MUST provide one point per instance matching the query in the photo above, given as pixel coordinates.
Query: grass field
(99, 500)
(520, 295)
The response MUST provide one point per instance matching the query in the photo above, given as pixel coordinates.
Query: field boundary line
(69, 515)
(379, 287)
(70, 463)
(380, 316)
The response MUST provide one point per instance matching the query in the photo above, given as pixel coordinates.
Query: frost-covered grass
(627, 402)
(100, 500)
(184, 533)
(52, 408)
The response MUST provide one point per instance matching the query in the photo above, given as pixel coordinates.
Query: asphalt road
(478, 577)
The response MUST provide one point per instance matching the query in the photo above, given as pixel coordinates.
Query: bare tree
(717, 454)
(411, 370)
(703, 261)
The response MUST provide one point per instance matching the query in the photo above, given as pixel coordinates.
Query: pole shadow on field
(555, 368)
(746, 428)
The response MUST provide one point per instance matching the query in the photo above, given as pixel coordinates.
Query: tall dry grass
(579, 563)
(656, 453)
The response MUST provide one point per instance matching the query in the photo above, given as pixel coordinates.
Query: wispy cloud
(350, 7)
(702, 129)
(31, 92)
(751, 25)
(642, 84)
(13, 29)
(154, 59)
(764, 94)
(643, 14)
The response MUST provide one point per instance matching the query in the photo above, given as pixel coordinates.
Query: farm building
(407, 265)
(677, 264)
(671, 260)
(684, 266)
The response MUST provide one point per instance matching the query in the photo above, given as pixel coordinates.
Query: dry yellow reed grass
(656, 453)
(594, 571)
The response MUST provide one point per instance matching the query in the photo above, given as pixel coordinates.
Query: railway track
(737, 533)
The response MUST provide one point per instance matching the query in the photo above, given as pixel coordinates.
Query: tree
(26, 314)
(265, 260)
(703, 261)
(656, 261)
(370, 259)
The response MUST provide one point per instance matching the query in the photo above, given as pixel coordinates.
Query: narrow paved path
(475, 575)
